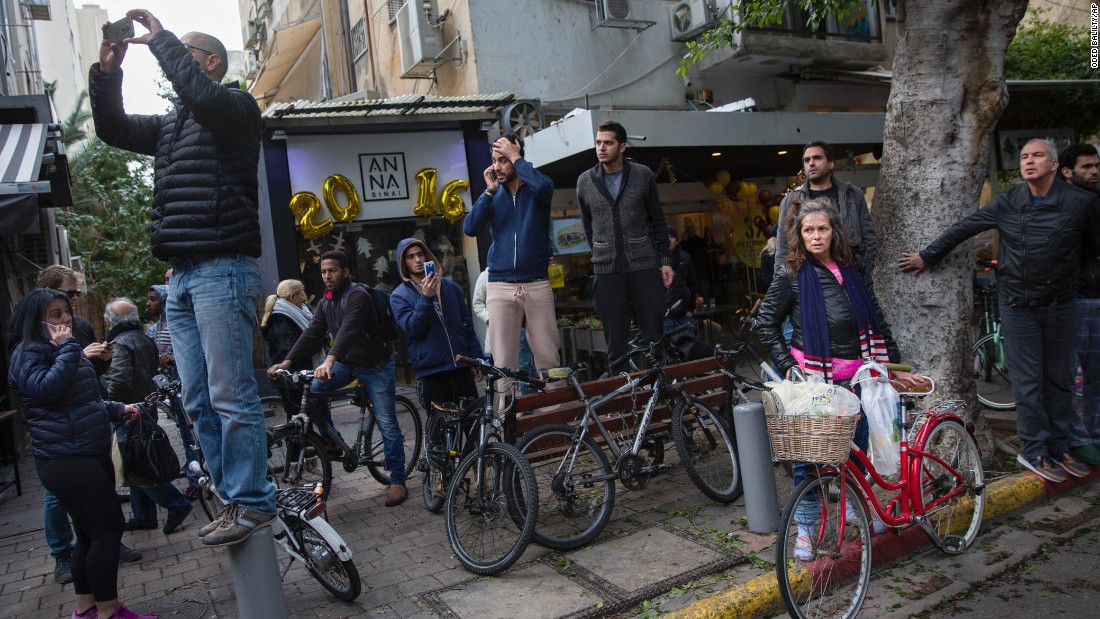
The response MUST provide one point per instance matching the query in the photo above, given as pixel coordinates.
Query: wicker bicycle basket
(808, 439)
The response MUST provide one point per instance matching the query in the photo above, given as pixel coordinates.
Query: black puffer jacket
(782, 302)
(1041, 248)
(60, 395)
(207, 153)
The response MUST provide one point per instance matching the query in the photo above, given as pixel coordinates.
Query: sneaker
(1071, 465)
(127, 554)
(1088, 454)
(223, 513)
(850, 516)
(396, 495)
(238, 528)
(175, 518)
(137, 525)
(192, 493)
(121, 612)
(63, 570)
(1042, 466)
(803, 549)
(91, 613)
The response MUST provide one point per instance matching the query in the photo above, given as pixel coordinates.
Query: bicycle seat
(565, 372)
(914, 391)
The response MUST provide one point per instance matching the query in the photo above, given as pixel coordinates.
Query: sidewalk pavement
(667, 549)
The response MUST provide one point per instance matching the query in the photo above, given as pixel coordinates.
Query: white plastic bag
(815, 397)
(880, 404)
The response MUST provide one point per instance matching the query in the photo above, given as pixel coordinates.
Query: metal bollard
(754, 453)
(256, 581)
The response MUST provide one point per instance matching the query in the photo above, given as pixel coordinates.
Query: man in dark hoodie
(432, 313)
(360, 351)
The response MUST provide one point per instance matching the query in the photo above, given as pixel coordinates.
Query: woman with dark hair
(71, 439)
(837, 320)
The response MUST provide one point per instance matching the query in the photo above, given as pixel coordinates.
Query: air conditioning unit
(613, 13)
(690, 18)
(418, 42)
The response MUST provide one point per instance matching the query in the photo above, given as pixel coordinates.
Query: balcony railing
(859, 26)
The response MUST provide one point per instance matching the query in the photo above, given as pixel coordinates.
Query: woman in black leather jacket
(71, 439)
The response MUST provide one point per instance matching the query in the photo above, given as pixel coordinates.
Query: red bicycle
(823, 554)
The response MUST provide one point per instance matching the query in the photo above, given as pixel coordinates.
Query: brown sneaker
(237, 527)
(227, 511)
(1071, 465)
(1043, 466)
(396, 495)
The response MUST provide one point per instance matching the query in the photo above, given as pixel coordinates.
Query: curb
(1003, 497)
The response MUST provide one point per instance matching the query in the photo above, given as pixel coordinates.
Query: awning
(19, 214)
(21, 149)
(287, 46)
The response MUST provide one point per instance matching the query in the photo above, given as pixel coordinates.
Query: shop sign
(384, 176)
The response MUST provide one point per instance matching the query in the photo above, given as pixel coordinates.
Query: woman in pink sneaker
(71, 437)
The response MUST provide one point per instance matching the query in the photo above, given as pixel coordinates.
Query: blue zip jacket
(60, 395)
(436, 329)
(519, 225)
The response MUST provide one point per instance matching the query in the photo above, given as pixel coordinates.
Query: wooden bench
(702, 378)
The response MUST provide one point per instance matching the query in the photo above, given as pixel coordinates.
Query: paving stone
(634, 562)
(532, 592)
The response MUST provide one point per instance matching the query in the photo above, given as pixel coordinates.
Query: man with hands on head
(516, 208)
(205, 222)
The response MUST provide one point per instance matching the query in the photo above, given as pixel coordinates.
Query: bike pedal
(953, 544)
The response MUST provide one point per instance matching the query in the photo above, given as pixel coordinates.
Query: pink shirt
(843, 369)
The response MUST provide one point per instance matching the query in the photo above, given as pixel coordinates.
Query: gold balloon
(450, 201)
(773, 213)
(744, 191)
(723, 177)
(425, 192)
(716, 188)
(304, 205)
(338, 182)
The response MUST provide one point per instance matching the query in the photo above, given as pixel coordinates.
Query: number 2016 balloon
(304, 205)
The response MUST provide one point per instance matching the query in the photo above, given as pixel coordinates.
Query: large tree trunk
(948, 92)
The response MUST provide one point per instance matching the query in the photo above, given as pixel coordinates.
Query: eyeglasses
(198, 49)
(73, 293)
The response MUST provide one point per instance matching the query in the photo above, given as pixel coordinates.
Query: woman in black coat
(71, 438)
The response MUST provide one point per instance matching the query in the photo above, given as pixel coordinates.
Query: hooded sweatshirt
(436, 328)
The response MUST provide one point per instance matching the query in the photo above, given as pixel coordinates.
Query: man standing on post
(1080, 166)
(432, 313)
(360, 351)
(516, 208)
(205, 222)
(818, 164)
(626, 229)
(1045, 229)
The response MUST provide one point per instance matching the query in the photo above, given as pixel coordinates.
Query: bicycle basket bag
(148, 459)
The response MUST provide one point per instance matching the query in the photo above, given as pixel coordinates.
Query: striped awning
(21, 148)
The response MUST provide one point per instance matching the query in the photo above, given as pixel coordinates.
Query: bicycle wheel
(958, 518)
(296, 461)
(823, 572)
(275, 411)
(990, 375)
(706, 450)
(341, 578)
(483, 534)
(210, 502)
(438, 464)
(408, 419)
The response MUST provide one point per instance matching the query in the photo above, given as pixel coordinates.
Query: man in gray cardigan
(626, 228)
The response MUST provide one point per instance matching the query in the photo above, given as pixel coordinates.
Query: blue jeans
(212, 311)
(188, 446)
(379, 385)
(526, 359)
(59, 533)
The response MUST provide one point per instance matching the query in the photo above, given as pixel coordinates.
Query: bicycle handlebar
(297, 378)
(488, 368)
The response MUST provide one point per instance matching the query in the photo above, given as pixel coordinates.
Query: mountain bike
(492, 498)
(576, 480)
(300, 528)
(297, 451)
(990, 372)
(823, 554)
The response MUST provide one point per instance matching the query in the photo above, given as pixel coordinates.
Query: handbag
(148, 459)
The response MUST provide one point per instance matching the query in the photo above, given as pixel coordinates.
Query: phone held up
(120, 30)
(429, 268)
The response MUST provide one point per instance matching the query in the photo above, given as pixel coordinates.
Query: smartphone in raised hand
(429, 268)
(120, 30)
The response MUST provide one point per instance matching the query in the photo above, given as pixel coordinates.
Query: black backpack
(390, 330)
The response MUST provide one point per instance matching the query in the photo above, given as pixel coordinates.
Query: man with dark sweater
(360, 351)
(1045, 229)
(626, 229)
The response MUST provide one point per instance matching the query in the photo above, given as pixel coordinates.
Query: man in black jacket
(360, 351)
(683, 285)
(129, 379)
(205, 222)
(1045, 229)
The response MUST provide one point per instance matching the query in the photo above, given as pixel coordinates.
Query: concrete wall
(59, 55)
